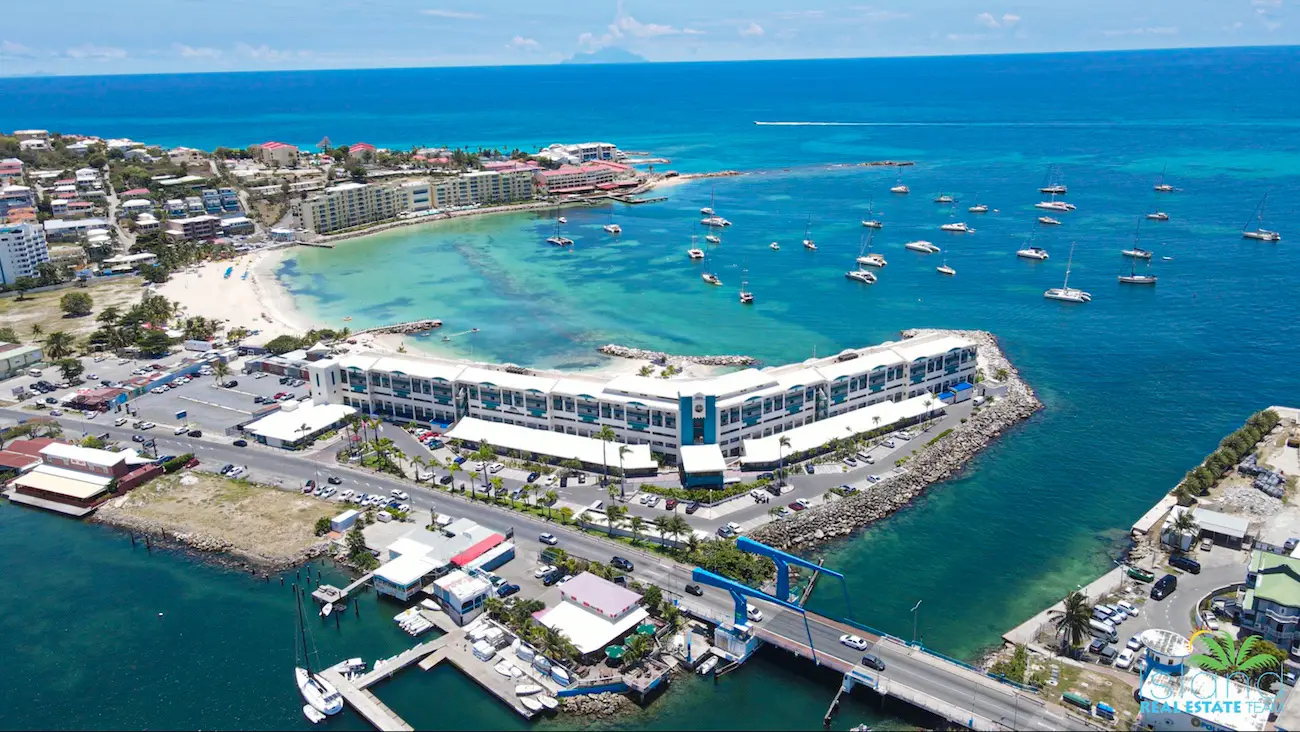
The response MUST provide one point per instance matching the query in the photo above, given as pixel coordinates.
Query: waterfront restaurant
(594, 613)
(291, 427)
(461, 595)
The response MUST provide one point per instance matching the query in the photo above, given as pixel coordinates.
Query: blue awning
(946, 395)
(963, 386)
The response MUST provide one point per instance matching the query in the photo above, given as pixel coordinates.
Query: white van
(1104, 630)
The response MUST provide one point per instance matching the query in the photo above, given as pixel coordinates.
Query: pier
(330, 593)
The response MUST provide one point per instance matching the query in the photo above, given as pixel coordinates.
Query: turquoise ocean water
(1138, 384)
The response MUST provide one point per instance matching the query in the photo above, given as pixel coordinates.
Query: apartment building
(484, 187)
(11, 172)
(193, 228)
(580, 178)
(280, 154)
(14, 196)
(22, 247)
(1270, 605)
(349, 205)
(663, 414)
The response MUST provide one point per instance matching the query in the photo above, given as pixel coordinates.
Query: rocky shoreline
(408, 328)
(205, 547)
(659, 357)
(604, 705)
(937, 462)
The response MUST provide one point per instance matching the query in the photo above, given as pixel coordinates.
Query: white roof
(1214, 522)
(864, 363)
(423, 368)
(521, 382)
(915, 348)
(553, 444)
(702, 459)
(286, 425)
(88, 455)
(406, 545)
(57, 224)
(405, 569)
(345, 187)
(589, 631)
(461, 586)
(68, 483)
(129, 258)
(633, 384)
(766, 450)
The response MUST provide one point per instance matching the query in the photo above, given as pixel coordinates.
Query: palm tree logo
(1224, 656)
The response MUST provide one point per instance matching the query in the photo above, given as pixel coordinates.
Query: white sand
(256, 303)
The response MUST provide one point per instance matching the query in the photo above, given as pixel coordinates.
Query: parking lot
(210, 406)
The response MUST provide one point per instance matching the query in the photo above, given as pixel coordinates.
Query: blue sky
(151, 36)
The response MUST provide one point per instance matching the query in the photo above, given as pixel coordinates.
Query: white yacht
(774, 247)
(1049, 221)
(1054, 206)
(1052, 184)
(861, 275)
(708, 210)
(873, 260)
(899, 187)
(713, 238)
(1158, 216)
(944, 269)
(550, 702)
(958, 227)
(317, 692)
(711, 278)
(613, 228)
(746, 297)
(1056, 189)
(1133, 278)
(943, 198)
(695, 253)
(1065, 293)
(1037, 253)
(715, 221)
(978, 208)
(1161, 186)
(808, 242)
(1137, 253)
(924, 247)
(872, 224)
(1260, 233)
(559, 241)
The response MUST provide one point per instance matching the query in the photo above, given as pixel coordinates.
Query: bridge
(945, 687)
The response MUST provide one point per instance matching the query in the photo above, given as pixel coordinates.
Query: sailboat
(317, 692)
(1065, 293)
(746, 297)
(1051, 184)
(774, 247)
(871, 222)
(943, 198)
(900, 188)
(870, 260)
(694, 252)
(1260, 233)
(945, 269)
(708, 276)
(978, 207)
(713, 238)
(555, 239)
(708, 210)
(808, 243)
(1133, 278)
(612, 227)
(1161, 185)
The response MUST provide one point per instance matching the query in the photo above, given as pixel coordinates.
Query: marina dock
(330, 593)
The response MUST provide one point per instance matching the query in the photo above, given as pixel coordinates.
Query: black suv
(1185, 563)
(621, 563)
(1164, 587)
(692, 507)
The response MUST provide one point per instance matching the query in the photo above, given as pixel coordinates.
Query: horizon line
(51, 75)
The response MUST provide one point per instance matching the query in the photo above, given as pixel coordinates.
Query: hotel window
(808, 393)
(767, 406)
(604, 410)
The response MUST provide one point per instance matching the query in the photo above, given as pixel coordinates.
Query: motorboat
(550, 703)
(900, 188)
(958, 228)
(327, 609)
(695, 253)
(1137, 253)
(526, 689)
(613, 228)
(1065, 293)
(810, 244)
(943, 198)
(774, 247)
(1049, 221)
(712, 239)
(1032, 253)
(530, 703)
(1158, 216)
(707, 666)
(562, 220)
(354, 665)
(1260, 233)
(715, 221)
(872, 224)
(872, 260)
(711, 278)
(924, 247)
(707, 211)
(978, 208)
(317, 692)
(861, 275)
(312, 715)
(1052, 182)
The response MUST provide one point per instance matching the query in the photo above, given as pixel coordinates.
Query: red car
(796, 506)
(670, 504)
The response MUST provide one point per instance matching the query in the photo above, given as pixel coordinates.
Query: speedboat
(873, 260)
(873, 224)
(715, 221)
(1032, 253)
(900, 188)
(958, 227)
(774, 247)
(1137, 253)
(526, 689)
(325, 611)
(1158, 216)
(1049, 221)
(713, 239)
(562, 220)
(312, 715)
(695, 253)
(943, 198)
(559, 241)
(613, 228)
(1057, 190)
(711, 278)
(861, 275)
(1262, 235)
(810, 244)
(707, 666)
(1138, 279)
(317, 692)
(978, 208)
(924, 247)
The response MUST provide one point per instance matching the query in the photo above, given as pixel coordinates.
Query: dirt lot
(211, 513)
(42, 308)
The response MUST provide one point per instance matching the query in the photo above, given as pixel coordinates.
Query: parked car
(1207, 544)
(754, 614)
(1185, 563)
(1134, 643)
(548, 480)
(1108, 655)
(241, 442)
(852, 463)
(507, 590)
(231, 384)
(670, 504)
(446, 479)
(548, 539)
(532, 477)
(1210, 621)
(694, 590)
(889, 443)
(582, 477)
(399, 493)
(181, 430)
(855, 642)
(796, 506)
(871, 660)
(227, 468)
(119, 421)
(1127, 607)
(692, 507)
(334, 480)
(51, 400)
(495, 467)
(196, 433)
(621, 563)
(804, 502)
(542, 570)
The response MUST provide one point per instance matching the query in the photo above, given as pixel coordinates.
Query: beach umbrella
(646, 629)
(614, 652)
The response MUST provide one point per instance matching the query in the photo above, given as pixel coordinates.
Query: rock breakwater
(604, 705)
(407, 328)
(667, 359)
(933, 463)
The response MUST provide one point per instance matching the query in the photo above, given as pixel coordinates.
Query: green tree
(322, 526)
(652, 597)
(615, 514)
(1185, 524)
(622, 475)
(7, 335)
(550, 497)
(281, 345)
(606, 436)
(155, 273)
(70, 368)
(358, 553)
(497, 485)
(782, 445)
(220, 370)
(636, 524)
(23, 285)
(58, 345)
(47, 273)
(109, 315)
(663, 526)
(154, 342)
(1075, 621)
(77, 303)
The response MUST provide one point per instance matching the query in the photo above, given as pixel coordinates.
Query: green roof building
(1271, 605)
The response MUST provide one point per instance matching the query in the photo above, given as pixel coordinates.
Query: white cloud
(89, 51)
(987, 19)
(1166, 30)
(753, 29)
(185, 51)
(10, 49)
(266, 53)
(626, 26)
(451, 14)
(1010, 19)
(519, 43)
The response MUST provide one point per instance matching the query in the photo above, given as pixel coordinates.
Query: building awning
(702, 459)
(1214, 522)
(476, 550)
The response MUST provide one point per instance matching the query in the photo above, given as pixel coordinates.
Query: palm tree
(774, 512)
(614, 515)
(452, 469)
(551, 497)
(663, 525)
(417, 462)
(583, 518)
(1075, 623)
(605, 435)
(1225, 657)
(782, 445)
(636, 523)
(58, 345)
(679, 526)
(220, 370)
(494, 607)
(497, 484)
(1184, 525)
(525, 490)
(622, 478)
(37, 330)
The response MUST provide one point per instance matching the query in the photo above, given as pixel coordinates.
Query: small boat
(1167, 259)
(530, 704)
(1032, 253)
(1058, 190)
(1052, 184)
(1049, 221)
(559, 241)
(312, 715)
(613, 228)
(561, 675)
(1158, 216)
(1065, 293)
(549, 702)
(707, 666)
(353, 665)
(861, 275)
(694, 252)
(1137, 253)
(708, 210)
(957, 228)
(713, 239)
(1054, 205)
(746, 297)
(943, 198)
(978, 208)
(1161, 186)
(711, 278)
(715, 221)
(1140, 574)
(899, 187)
(808, 242)
(945, 269)
(1137, 279)
(562, 220)
(872, 224)
(1260, 233)
(774, 247)
(924, 247)
(325, 611)
(873, 260)
(503, 668)
(526, 689)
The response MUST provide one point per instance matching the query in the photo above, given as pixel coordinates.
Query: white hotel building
(727, 410)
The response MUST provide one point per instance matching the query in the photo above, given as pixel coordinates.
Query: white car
(804, 502)
(889, 443)
(495, 468)
(854, 642)
(148, 426)
(643, 499)
(480, 466)
(542, 570)
(90, 414)
(784, 511)
(400, 495)
(93, 377)
(236, 471)
(180, 430)
(346, 494)
(548, 480)
(1127, 607)
(1210, 622)
(754, 613)
(119, 421)
(259, 375)
(1134, 643)
(158, 390)
(56, 412)
(1125, 658)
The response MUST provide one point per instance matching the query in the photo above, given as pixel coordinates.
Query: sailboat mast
(1068, 263)
(302, 631)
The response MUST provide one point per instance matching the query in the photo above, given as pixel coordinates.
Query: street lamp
(915, 613)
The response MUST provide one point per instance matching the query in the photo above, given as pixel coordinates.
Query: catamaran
(715, 221)
(1054, 205)
(612, 227)
(708, 276)
(317, 692)
(1065, 293)
(708, 210)
(1051, 184)
(958, 228)
(869, 260)
(1037, 253)
(1161, 185)
(979, 207)
(923, 247)
(1260, 233)
(555, 239)
(943, 198)
(746, 297)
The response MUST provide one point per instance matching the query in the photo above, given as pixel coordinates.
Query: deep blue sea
(1138, 385)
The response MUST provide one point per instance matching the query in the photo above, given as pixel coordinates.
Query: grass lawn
(42, 308)
(1099, 686)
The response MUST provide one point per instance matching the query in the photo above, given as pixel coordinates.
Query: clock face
(699, 408)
